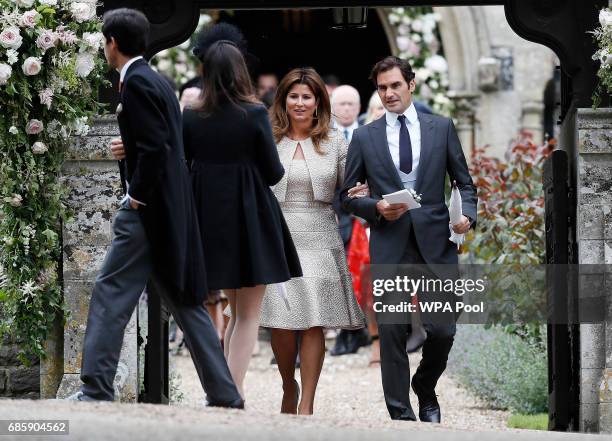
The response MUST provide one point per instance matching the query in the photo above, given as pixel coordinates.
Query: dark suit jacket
(155, 170)
(369, 159)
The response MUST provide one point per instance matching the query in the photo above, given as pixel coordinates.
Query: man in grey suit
(407, 149)
(156, 239)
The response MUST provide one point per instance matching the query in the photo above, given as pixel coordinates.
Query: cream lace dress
(324, 295)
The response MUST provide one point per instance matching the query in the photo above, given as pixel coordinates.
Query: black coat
(234, 161)
(150, 124)
(369, 159)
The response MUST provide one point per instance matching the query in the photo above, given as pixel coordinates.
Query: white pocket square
(119, 109)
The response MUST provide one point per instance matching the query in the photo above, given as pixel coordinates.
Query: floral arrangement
(417, 41)
(603, 37)
(50, 70)
(178, 63)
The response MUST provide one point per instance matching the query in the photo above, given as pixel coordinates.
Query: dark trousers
(394, 364)
(126, 271)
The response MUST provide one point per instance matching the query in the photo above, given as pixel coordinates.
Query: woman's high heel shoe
(293, 409)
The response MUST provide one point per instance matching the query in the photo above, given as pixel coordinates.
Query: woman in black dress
(234, 161)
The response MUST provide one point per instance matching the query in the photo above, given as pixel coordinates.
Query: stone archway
(560, 25)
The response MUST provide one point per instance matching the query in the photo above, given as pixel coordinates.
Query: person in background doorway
(346, 104)
(266, 82)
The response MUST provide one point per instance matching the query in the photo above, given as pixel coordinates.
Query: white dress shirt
(122, 73)
(126, 66)
(393, 134)
(349, 130)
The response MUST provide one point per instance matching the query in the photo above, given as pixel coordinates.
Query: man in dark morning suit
(156, 241)
(411, 150)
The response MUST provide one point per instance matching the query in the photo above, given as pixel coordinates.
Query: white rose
(48, 2)
(5, 73)
(84, 64)
(403, 43)
(34, 127)
(82, 11)
(46, 40)
(94, 40)
(12, 56)
(13, 130)
(417, 25)
(28, 19)
(164, 65)
(25, 3)
(39, 148)
(436, 63)
(605, 18)
(10, 38)
(422, 74)
(31, 66)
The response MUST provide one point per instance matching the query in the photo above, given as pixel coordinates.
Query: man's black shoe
(429, 408)
(341, 345)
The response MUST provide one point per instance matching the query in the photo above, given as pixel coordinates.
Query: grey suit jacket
(369, 160)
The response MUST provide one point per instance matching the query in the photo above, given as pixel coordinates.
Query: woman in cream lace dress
(314, 156)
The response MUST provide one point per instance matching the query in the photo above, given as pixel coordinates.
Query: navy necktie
(346, 134)
(405, 146)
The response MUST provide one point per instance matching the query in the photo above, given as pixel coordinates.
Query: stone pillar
(532, 120)
(465, 105)
(95, 191)
(594, 236)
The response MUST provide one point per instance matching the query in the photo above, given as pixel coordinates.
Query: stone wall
(95, 191)
(17, 380)
(497, 79)
(594, 211)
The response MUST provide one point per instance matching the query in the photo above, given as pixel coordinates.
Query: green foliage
(58, 99)
(531, 422)
(503, 369)
(510, 225)
(603, 38)
(179, 63)
(510, 234)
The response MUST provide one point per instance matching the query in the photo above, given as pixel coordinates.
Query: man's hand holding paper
(394, 205)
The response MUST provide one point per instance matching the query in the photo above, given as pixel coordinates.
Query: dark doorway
(289, 38)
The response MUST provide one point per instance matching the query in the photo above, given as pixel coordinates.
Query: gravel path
(349, 394)
(350, 406)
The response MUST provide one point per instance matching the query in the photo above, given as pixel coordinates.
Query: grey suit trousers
(394, 363)
(126, 271)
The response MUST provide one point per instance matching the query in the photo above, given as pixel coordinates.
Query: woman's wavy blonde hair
(321, 123)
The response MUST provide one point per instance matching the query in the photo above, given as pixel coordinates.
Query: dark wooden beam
(563, 26)
(288, 4)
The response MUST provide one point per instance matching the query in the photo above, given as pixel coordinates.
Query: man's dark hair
(129, 28)
(389, 63)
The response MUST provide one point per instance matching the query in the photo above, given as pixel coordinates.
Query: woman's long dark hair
(225, 78)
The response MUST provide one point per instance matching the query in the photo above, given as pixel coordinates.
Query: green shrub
(503, 369)
(510, 234)
(533, 422)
